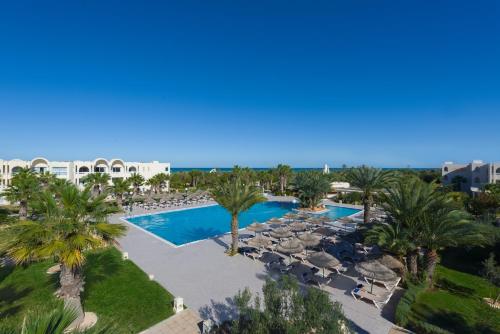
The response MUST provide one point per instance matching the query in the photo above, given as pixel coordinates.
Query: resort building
(74, 171)
(471, 177)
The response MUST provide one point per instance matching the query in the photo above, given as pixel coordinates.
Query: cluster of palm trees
(422, 219)
(69, 223)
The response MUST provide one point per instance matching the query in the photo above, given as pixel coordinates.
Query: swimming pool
(184, 226)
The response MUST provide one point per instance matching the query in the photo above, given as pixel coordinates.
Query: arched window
(132, 169)
(16, 169)
(445, 169)
(477, 180)
(83, 169)
(498, 170)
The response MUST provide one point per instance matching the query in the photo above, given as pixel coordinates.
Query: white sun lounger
(378, 301)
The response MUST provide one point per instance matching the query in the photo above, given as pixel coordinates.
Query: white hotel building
(74, 171)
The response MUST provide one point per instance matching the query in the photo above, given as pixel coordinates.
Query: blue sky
(217, 83)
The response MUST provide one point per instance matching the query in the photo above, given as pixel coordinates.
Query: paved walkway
(207, 278)
(185, 322)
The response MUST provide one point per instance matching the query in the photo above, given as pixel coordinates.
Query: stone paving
(185, 322)
(207, 278)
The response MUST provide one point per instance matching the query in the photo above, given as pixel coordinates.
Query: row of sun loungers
(164, 204)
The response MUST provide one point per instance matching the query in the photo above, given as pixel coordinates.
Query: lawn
(456, 304)
(118, 291)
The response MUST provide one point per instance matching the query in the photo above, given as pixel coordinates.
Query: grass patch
(23, 289)
(455, 305)
(118, 291)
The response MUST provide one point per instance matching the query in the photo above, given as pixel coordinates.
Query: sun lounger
(378, 301)
(389, 286)
(254, 255)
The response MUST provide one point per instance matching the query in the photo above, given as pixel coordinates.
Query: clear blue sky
(217, 83)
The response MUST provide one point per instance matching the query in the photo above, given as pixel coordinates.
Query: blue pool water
(185, 226)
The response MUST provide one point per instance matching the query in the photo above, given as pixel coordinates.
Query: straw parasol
(292, 246)
(256, 227)
(274, 222)
(309, 240)
(297, 227)
(324, 231)
(290, 216)
(281, 232)
(376, 271)
(323, 260)
(259, 241)
(391, 262)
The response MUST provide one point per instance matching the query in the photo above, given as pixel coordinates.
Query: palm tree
(23, 189)
(311, 186)
(195, 176)
(136, 180)
(119, 188)
(72, 223)
(405, 202)
(98, 182)
(46, 179)
(444, 226)
(369, 180)
(284, 172)
(158, 182)
(236, 197)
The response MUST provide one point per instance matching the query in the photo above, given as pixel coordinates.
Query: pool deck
(207, 278)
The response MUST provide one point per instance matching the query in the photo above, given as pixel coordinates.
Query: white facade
(74, 171)
(473, 175)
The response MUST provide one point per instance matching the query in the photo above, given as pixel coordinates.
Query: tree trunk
(119, 200)
(431, 261)
(366, 213)
(282, 185)
(413, 263)
(23, 210)
(71, 286)
(234, 234)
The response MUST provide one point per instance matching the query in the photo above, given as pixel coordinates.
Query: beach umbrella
(292, 246)
(259, 241)
(323, 260)
(376, 271)
(274, 222)
(281, 232)
(309, 240)
(290, 216)
(391, 262)
(297, 227)
(256, 227)
(324, 231)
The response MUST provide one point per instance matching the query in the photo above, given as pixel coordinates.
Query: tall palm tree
(23, 189)
(136, 180)
(406, 201)
(72, 223)
(46, 179)
(98, 182)
(119, 188)
(236, 197)
(369, 180)
(444, 226)
(284, 173)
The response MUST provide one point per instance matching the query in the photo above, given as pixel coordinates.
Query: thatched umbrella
(292, 246)
(259, 241)
(256, 227)
(290, 216)
(324, 231)
(391, 262)
(274, 222)
(297, 227)
(323, 260)
(281, 232)
(376, 271)
(309, 240)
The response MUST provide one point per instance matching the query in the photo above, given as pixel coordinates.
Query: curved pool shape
(188, 225)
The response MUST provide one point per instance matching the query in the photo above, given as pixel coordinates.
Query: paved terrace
(207, 278)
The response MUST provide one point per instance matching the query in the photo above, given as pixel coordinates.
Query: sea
(298, 169)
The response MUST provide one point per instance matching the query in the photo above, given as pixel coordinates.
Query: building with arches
(470, 177)
(74, 171)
